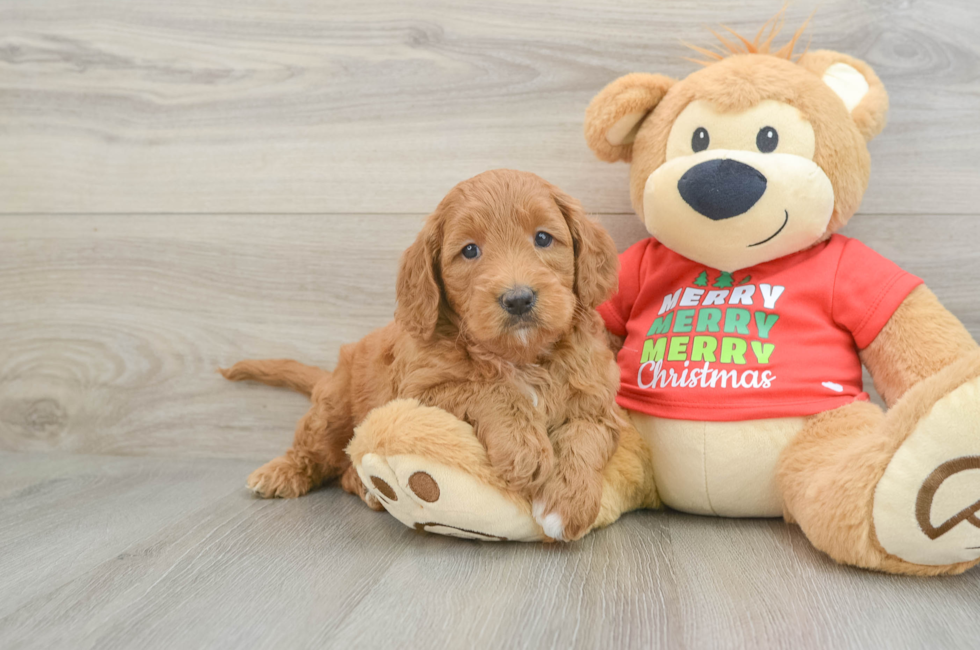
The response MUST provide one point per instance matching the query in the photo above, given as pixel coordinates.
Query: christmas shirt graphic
(778, 339)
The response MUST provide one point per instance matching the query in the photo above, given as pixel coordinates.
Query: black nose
(518, 301)
(722, 188)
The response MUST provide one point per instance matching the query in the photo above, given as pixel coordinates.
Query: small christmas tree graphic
(725, 280)
(745, 279)
(701, 280)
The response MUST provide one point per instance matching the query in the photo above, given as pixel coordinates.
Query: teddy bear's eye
(767, 139)
(700, 139)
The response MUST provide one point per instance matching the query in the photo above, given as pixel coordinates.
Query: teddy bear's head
(751, 158)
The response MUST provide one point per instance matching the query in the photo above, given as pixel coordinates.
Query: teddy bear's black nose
(722, 188)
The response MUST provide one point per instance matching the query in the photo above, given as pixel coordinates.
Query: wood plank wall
(186, 183)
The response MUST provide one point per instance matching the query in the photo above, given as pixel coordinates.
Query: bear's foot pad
(436, 498)
(927, 503)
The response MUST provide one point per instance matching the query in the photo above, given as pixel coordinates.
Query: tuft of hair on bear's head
(758, 45)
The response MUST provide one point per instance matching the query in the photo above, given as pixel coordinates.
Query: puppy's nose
(722, 188)
(518, 301)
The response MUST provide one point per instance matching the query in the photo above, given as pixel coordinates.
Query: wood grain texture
(112, 326)
(188, 183)
(109, 553)
(273, 106)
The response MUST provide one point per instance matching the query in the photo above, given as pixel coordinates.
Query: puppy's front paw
(566, 509)
(524, 465)
(280, 478)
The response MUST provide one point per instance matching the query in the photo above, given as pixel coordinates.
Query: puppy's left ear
(596, 260)
(856, 84)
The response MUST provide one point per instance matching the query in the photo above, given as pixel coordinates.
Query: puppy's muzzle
(722, 188)
(518, 301)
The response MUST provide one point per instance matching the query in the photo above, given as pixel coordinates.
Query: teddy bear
(742, 325)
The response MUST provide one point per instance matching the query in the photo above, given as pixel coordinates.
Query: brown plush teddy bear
(745, 321)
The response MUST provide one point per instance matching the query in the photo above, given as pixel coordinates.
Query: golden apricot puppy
(495, 324)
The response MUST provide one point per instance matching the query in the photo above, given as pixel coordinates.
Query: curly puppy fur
(538, 387)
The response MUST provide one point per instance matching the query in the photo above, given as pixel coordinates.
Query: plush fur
(828, 474)
(921, 338)
(538, 390)
(735, 83)
(405, 427)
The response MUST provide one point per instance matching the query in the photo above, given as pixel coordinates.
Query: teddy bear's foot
(429, 471)
(435, 498)
(927, 503)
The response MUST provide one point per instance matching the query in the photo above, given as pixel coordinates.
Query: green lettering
(733, 350)
(684, 319)
(765, 322)
(703, 348)
(653, 349)
(762, 351)
(678, 348)
(661, 325)
(708, 320)
(737, 321)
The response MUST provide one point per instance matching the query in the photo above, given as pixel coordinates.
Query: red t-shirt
(775, 340)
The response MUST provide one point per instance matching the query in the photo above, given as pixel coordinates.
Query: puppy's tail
(284, 373)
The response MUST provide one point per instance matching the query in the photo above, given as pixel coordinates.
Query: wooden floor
(112, 552)
(187, 183)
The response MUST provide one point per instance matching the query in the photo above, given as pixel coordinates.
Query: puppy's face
(508, 269)
(508, 258)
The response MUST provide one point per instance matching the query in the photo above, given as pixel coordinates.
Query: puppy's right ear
(417, 289)
(615, 115)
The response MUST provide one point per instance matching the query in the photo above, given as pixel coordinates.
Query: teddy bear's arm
(921, 338)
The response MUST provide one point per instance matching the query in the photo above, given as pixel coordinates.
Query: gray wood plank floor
(184, 184)
(168, 553)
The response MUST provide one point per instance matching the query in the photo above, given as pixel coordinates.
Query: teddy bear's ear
(614, 116)
(856, 84)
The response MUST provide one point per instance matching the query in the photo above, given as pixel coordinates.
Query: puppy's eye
(543, 239)
(471, 251)
(700, 139)
(767, 140)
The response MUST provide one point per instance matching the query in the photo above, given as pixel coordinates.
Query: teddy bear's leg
(897, 492)
(627, 482)
(430, 472)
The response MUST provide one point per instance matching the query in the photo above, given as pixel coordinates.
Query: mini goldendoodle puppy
(495, 324)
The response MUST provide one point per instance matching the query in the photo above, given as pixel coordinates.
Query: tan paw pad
(436, 498)
(927, 502)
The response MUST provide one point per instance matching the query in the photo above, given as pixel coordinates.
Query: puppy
(496, 324)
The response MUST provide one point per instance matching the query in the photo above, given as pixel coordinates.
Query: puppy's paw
(565, 509)
(524, 465)
(280, 478)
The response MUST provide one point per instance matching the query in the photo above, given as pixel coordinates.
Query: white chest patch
(534, 396)
(524, 380)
